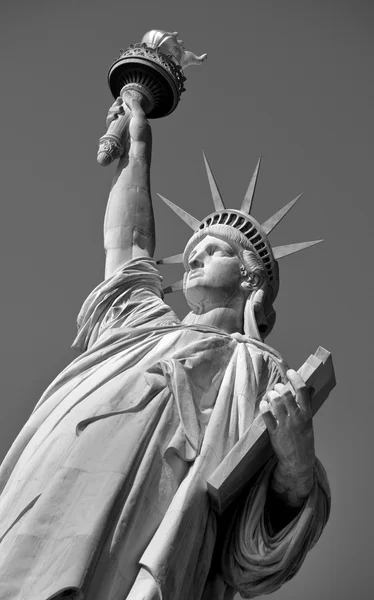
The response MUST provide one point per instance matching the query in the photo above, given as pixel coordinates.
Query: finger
(115, 111)
(278, 407)
(134, 105)
(117, 107)
(118, 102)
(289, 399)
(280, 388)
(301, 390)
(136, 109)
(269, 419)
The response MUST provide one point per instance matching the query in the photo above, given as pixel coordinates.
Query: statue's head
(229, 261)
(223, 269)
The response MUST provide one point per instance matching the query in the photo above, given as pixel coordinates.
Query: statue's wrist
(293, 484)
(296, 465)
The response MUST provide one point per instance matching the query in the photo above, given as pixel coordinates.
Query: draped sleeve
(132, 297)
(255, 561)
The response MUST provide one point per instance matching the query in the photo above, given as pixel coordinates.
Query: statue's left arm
(266, 539)
(288, 418)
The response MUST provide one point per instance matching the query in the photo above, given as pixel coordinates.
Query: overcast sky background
(291, 79)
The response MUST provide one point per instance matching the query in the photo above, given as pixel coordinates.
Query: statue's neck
(228, 319)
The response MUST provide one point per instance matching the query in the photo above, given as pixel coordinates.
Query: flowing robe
(110, 471)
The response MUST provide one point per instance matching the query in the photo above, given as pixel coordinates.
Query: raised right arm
(129, 224)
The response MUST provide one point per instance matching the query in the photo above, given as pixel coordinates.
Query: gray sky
(291, 79)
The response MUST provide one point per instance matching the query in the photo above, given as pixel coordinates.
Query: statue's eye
(220, 252)
(215, 250)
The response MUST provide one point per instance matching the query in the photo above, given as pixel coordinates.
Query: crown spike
(216, 195)
(169, 260)
(248, 198)
(174, 287)
(273, 221)
(185, 216)
(282, 251)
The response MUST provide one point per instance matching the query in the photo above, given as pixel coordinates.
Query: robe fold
(109, 473)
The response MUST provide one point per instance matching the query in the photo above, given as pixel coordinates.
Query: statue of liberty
(103, 493)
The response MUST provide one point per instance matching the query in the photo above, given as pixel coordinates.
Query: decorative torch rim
(169, 75)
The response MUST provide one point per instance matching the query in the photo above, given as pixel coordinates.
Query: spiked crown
(252, 234)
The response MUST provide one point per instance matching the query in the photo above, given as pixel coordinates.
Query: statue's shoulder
(262, 353)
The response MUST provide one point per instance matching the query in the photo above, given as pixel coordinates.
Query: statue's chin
(195, 305)
(199, 295)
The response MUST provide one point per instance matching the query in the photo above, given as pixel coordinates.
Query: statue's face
(213, 277)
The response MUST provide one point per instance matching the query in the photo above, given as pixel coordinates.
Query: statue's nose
(196, 262)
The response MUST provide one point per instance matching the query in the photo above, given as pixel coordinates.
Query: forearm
(292, 485)
(287, 413)
(129, 223)
(287, 492)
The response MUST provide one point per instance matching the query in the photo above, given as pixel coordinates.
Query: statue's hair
(253, 263)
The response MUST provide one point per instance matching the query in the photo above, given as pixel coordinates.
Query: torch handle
(112, 144)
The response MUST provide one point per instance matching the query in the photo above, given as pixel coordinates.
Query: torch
(153, 73)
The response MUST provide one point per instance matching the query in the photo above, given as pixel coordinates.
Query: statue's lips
(195, 273)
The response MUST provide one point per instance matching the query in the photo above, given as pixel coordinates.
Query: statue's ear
(253, 282)
(258, 281)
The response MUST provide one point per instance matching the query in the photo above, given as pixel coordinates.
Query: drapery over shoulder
(131, 298)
